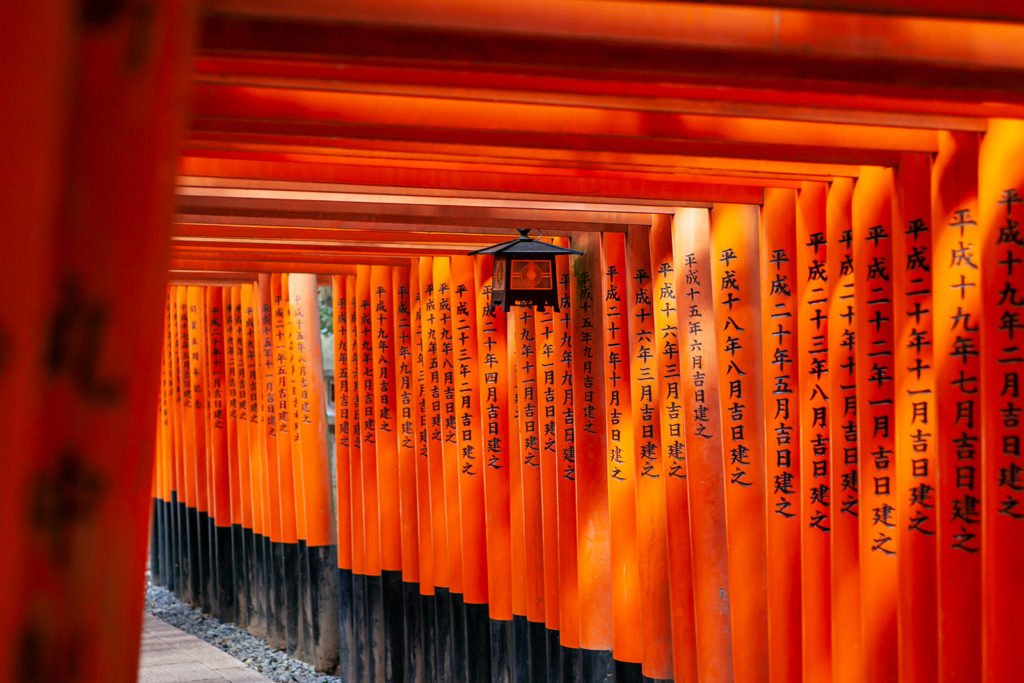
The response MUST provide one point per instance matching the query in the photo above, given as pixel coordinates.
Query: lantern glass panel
(531, 274)
(499, 275)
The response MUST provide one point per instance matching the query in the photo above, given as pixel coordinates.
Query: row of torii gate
(773, 167)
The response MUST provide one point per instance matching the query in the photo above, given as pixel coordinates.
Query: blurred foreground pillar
(90, 117)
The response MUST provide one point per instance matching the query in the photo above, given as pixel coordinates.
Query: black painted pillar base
(428, 608)
(213, 574)
(444, 638)
(538, 639)
(413, 664)
(648, 679)
(174, 517)
(304, 646)
(596, 665)
(257, 587)
(205, 591)
(571, 665)
(361, 654)
(155, 531)
(323, 584)
(520, 649)
(276, 634)
(553, 655)
(346, 636)
(628, 672)
(501, 650)
(239, 560)
(478, 643)
(192, 522)
(375, 620)
(394, 624)
(459, 652)
(225, 579)
(290, 604)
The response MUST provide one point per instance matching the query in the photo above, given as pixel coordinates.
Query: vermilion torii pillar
(88, 165)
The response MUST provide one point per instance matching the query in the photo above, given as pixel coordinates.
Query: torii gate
(801, 153)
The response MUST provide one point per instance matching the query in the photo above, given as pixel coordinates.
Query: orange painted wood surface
(736, 294)
(442, 279)
(916, 464)
(217, 404)
(367, 432)
(565, 466)
(525, 341)
(469, 435)
(812, 377)
(592, 522)
(1001, 250)
(669, 354)
(38, 54)
(342, 420)
(879, 503)
(88, 282)
(779, 286)
(711, 596)
(282, 401)
(384, 418)
(492, 344)
(268, 401)
(406, 420)
(547, 446)
(650, 470)
(956, 281)
(355, 451)
(425, 531)
(627, 628)
(847, 663)
(432, 384)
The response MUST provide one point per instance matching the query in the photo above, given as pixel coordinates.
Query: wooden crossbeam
(263, 266)
(312, 235)
(712, 100)
(294, 111)
(789, 50)
(585, 186)
(316, 250)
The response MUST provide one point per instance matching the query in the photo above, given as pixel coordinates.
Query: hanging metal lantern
(525, 272)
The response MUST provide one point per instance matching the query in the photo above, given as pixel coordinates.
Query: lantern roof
(525, 245)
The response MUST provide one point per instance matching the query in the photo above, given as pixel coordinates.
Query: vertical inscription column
(471, 466)
(1001, 212)
(956, 281)
(626, 622)
(736, 295)
(847, 663)
(814, 412)
(651, 510)
(692, 247)
(671, 417)
(915, 419)
(385, 416)
(873, 267)
(424, 531)
(492, 343)
(405, 421)
(529, 440)
(592, 521)
(548, 451)
(781, 410)
(568, 569)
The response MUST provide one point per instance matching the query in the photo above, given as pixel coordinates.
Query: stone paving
(170, 655)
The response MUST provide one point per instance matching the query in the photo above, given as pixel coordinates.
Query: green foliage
(326, 306)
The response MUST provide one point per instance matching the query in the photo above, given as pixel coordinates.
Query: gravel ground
(256, 654)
